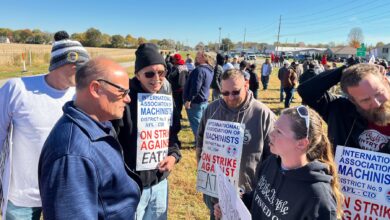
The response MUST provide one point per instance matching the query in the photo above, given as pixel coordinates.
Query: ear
(137, 75)
(95, 89)
(302, 144)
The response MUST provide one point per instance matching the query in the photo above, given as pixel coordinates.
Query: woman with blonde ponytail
(300, 180)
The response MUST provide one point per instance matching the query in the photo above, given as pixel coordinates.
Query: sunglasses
(150, 74)
(303, 112)
(120, 89)
(233, 93)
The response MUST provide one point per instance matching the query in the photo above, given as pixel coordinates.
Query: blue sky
(318, 21)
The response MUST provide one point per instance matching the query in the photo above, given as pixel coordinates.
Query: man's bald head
(95, 69)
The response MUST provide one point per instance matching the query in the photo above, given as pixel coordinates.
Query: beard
(379, 116)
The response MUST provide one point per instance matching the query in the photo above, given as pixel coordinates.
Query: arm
(8, 102)
(200, 134)
(174, 154)
(314, 92)
(66, 184)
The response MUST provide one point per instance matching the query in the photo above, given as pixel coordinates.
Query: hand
(187, 105)
(217, 211)
(167, 164)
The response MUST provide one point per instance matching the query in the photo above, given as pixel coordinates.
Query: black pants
(178, 99)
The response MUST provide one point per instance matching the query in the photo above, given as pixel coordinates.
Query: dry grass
(184, 201)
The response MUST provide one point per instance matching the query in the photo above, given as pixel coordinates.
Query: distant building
(341, 52)
(294, 50)
(4, 40)
(381, 52)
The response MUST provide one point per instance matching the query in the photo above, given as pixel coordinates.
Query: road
(125, 65)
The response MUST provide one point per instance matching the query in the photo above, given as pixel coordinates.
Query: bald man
(81, 169)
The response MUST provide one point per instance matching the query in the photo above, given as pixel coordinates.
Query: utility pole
(219, 39)
(277, 43)
(243, 46)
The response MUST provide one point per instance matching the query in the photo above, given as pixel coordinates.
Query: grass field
(184, 201)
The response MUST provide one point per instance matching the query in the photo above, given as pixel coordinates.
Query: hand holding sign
(167, 164)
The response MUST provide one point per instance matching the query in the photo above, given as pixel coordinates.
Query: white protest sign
(231, 205)
(222, 145)
(365, 183)
(154, 119)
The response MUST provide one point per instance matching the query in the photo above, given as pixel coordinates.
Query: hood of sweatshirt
(313, 172)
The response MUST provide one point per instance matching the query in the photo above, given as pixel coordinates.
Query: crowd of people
(86, 142)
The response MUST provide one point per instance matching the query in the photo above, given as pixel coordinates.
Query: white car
(250, 56)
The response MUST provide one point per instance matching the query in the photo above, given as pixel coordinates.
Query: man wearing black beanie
(148, 131)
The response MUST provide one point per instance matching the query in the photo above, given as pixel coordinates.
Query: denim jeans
(289, 94)
(264, 81)
(154, 202)
(210, 201)
(195, 114)
(22, 213)
(281, 93)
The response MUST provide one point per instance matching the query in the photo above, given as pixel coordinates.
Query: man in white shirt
(32, 105)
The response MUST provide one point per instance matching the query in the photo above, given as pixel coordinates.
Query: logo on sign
(231, 150)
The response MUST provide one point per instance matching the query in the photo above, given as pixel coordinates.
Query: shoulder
(261, 109)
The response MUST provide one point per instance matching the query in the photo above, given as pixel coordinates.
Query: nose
(127, 98)
(376, 103)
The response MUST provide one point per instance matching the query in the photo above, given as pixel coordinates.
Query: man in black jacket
(362, 120)
(148, 131)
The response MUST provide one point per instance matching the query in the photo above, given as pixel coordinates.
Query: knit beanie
(147, 54)
(67, 52)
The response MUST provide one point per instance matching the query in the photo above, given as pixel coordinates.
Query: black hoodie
(127, 134)
(303, 193)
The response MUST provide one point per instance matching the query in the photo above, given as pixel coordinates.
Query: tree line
(90, 38)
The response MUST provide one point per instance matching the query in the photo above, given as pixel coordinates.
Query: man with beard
(362, 120)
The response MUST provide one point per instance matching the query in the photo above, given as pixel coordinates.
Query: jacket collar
(93, 129)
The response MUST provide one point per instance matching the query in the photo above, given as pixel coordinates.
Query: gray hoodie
(258, 120)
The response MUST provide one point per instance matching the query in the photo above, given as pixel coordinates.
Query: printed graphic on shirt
(247, 136)
(267, 202)
(372, 140)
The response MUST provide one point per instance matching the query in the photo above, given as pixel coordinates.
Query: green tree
(79, 37)
(380, 44)
(106, 40)
(93, 38)
(130, 41)
(141, 40)
(226, 44)
(117, 41)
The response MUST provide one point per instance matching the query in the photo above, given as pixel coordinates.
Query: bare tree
(355, 37)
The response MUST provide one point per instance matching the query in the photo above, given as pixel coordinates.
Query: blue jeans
(289, 94)
(195, 114)
(264, 81)
(210, 201)
(154, 202)
(22, 213)
(281, 93)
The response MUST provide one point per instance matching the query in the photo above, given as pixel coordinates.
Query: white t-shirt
(33, 107)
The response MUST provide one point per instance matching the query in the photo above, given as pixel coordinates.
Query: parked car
(302, 58)
(250, 56)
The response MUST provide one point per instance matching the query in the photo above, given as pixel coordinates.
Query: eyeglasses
(150, 74)
(120, 89)
(233, 93)
(303, 112)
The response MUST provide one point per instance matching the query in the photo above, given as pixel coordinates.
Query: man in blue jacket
(81, 170)
(197, 89)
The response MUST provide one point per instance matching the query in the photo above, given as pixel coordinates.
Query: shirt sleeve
(9, 94)
(69, 188)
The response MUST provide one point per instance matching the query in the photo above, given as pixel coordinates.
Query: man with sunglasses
(30, 106)
(82, 174)
(362, 118)
(236, 107)
(152, 152)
